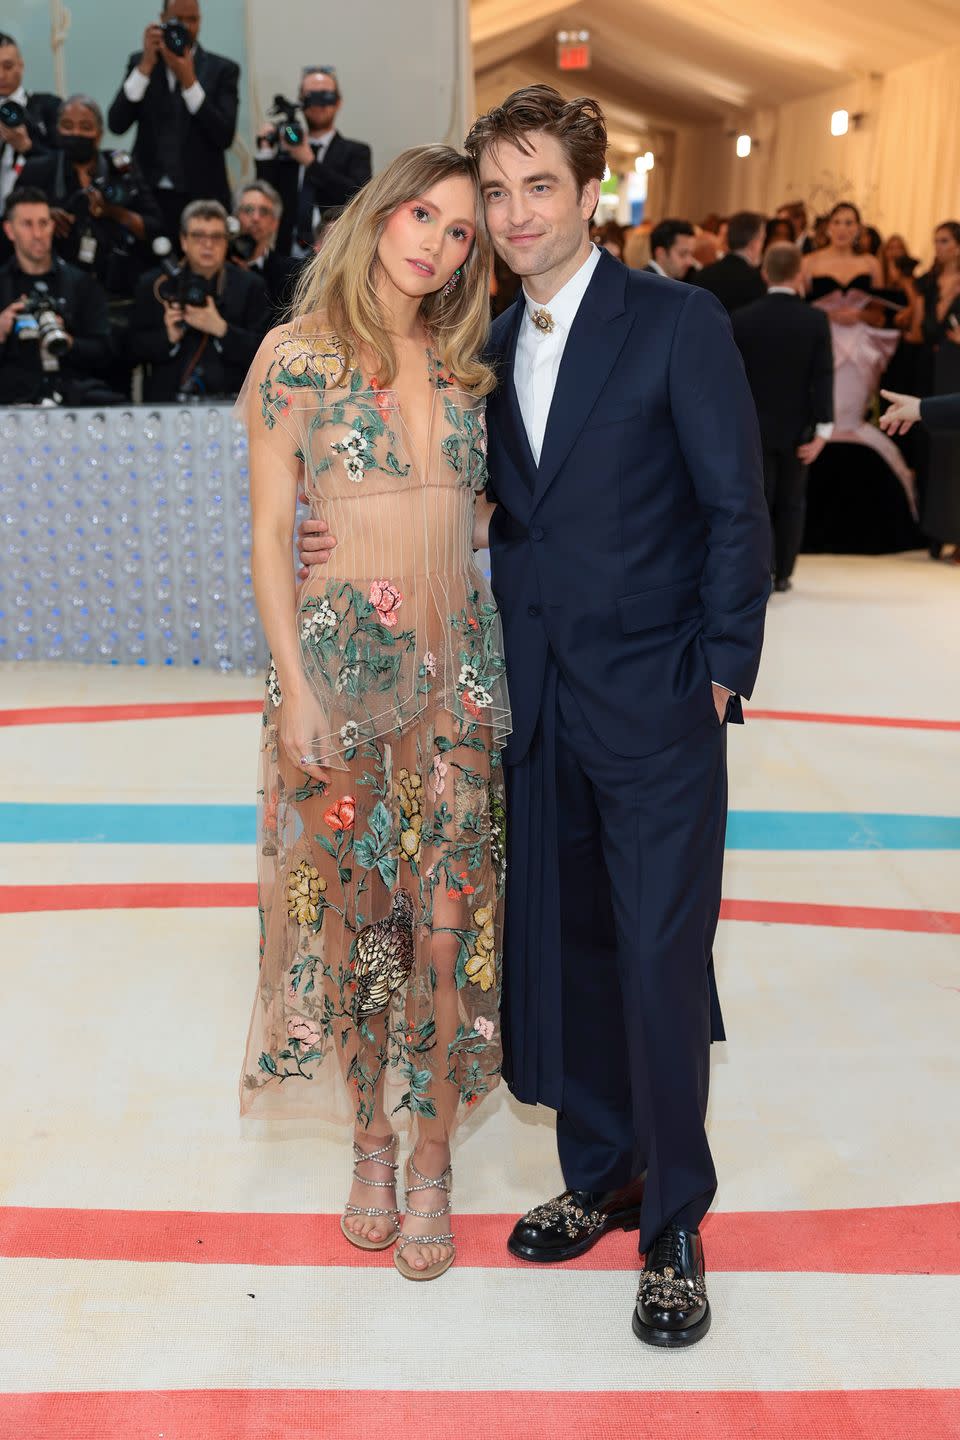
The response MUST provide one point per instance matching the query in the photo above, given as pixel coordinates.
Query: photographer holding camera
(54, 329)
(310, 164)
(104, 215)
(198, 325)
(27, 122)
(259, 210)
(183, 100)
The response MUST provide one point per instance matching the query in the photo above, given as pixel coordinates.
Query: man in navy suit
(630, 553)
(630, 559)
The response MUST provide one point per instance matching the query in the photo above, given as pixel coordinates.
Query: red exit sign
(574, 56)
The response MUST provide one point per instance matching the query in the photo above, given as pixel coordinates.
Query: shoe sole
(359, 1243)
(671, 1339)
(630, 1220)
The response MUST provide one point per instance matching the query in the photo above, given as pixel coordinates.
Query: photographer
(105, 218)
(54, 330)
(308, 162)
(198, 326)
(27, 122)
(259, 210)
(183, 101)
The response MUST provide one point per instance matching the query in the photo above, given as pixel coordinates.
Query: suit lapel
(509, 406)
(597, 336)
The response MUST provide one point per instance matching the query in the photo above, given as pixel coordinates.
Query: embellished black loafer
(568, 1226)
(672, 1307)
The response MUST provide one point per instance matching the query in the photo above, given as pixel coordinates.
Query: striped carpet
(165, 1276)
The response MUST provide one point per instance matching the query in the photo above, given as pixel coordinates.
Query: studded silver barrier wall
(126, 538)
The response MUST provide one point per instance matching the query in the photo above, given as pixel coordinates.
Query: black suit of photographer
(42, 111)
(199, 365)
(345, 168)
(279, 274)
(82, 305)
(187, 150)
(119, 258)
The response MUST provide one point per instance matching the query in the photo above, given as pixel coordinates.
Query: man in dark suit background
(185, 110)
(259, 211)
(736, 279)
(788, 356)
(672, 243)
(19, 143)
(324, 171)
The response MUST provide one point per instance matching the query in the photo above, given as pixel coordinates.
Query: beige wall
(901, 166)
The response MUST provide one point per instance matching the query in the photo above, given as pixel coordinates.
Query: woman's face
(895, 247)
(76, 119)
(945, 246)
(429, 237)
(843, 229)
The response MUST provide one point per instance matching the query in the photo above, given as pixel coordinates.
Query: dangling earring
(452, 283)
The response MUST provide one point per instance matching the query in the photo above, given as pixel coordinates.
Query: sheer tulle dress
(381, 890)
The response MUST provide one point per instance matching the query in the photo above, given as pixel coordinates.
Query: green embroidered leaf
(267, 1062)
(326, 844)
(388, 871)
(356, 380)
(380, 822)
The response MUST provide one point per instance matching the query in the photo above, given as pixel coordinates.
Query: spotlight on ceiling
(743, 146)
(839, 122)
(648, 160)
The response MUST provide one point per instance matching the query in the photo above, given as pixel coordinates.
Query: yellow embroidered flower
(305, 885)
(409, 792)
(321, 354)
(481, 966)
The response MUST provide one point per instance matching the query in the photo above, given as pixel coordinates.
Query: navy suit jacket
(638, 550)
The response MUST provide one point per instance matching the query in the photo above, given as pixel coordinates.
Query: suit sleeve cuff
(194, 96)
(135, 86)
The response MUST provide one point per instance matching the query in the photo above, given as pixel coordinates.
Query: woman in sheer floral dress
(381, 821)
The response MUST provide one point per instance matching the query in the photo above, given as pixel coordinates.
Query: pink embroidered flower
(282, 402)
(430, 663)
(437, 779)
(299, 1028)
(270, 812)
(483, 1027)
(386, 600)
(341, 816)
(380, 395)
(469, 706)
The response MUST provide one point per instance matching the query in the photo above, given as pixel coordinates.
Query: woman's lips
(422, 267)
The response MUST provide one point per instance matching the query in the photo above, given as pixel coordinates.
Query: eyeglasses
(214, 237)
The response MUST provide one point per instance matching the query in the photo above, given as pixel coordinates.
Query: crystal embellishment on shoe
(543, 320)
(670, 1291)
(564, 1211)
(372, 1212)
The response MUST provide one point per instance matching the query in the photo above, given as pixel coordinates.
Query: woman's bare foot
(432, 1159)
(374, 1188)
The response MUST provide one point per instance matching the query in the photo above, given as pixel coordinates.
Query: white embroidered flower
(469, 675)
(354, 468)
(430, 663)
(349, 733)
(347, 673)
(273, 685)
(479, 696)
(323, 617)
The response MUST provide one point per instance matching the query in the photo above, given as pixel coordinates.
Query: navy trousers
(613, 897)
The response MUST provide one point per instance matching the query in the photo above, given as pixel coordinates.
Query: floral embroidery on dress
(273, 685)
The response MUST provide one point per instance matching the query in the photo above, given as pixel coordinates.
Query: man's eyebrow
(527, 180)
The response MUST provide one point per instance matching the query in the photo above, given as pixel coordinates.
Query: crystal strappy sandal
(445, 1183)
(359, 1156)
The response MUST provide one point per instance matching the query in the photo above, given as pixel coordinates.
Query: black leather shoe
(782, 586)
(672, 1306)
(569, 1225)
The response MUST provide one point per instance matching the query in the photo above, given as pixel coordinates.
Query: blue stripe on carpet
(234, 825)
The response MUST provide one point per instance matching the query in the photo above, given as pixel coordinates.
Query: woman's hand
(302, 721)
(315, 544)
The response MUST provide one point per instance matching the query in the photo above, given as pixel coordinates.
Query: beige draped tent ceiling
(683, 77)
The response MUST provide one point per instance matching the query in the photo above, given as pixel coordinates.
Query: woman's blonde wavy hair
(340, 282)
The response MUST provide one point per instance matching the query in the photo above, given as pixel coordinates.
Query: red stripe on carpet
(183, 709)
(33, 899)
(888, 1240)
(497, 1414)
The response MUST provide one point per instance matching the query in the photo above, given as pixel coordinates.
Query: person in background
(183, 100)
(198, 327)
(610, 236)
(671, 249)
(939, 307)
(736, 279)
(259, 210)
(788, 358)
(35, 135)
(938, 412)
(707, 249)
(870, 240)
(105, 216)
(796, 212)
(779, 231)
(84, 352)
(323, 171)
(636, 247)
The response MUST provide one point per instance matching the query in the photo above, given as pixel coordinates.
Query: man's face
(536, 215)
(319, 116)
(30, 231)
(205, 246)
(188, 13)
(677, 260)
(256, 217)
(11, 70)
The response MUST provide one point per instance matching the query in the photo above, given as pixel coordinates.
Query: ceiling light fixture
(744, 145)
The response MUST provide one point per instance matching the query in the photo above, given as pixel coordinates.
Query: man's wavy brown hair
(578, 125)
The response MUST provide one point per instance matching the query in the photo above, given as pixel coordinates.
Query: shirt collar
(781, 290)
(659, 269)
(20, 96)
(565, 304)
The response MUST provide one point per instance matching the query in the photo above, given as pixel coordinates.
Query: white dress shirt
(135, 87)
(10, 161)
(538, 357)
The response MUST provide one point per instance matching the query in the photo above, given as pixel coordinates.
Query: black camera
(289, 127)
(12, 114)
(39, 321)
(182, 287)
(114, 186)
(241, 247)
(176, 37)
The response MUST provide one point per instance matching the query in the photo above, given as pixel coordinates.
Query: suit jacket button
(533, 611)
(536, 533)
